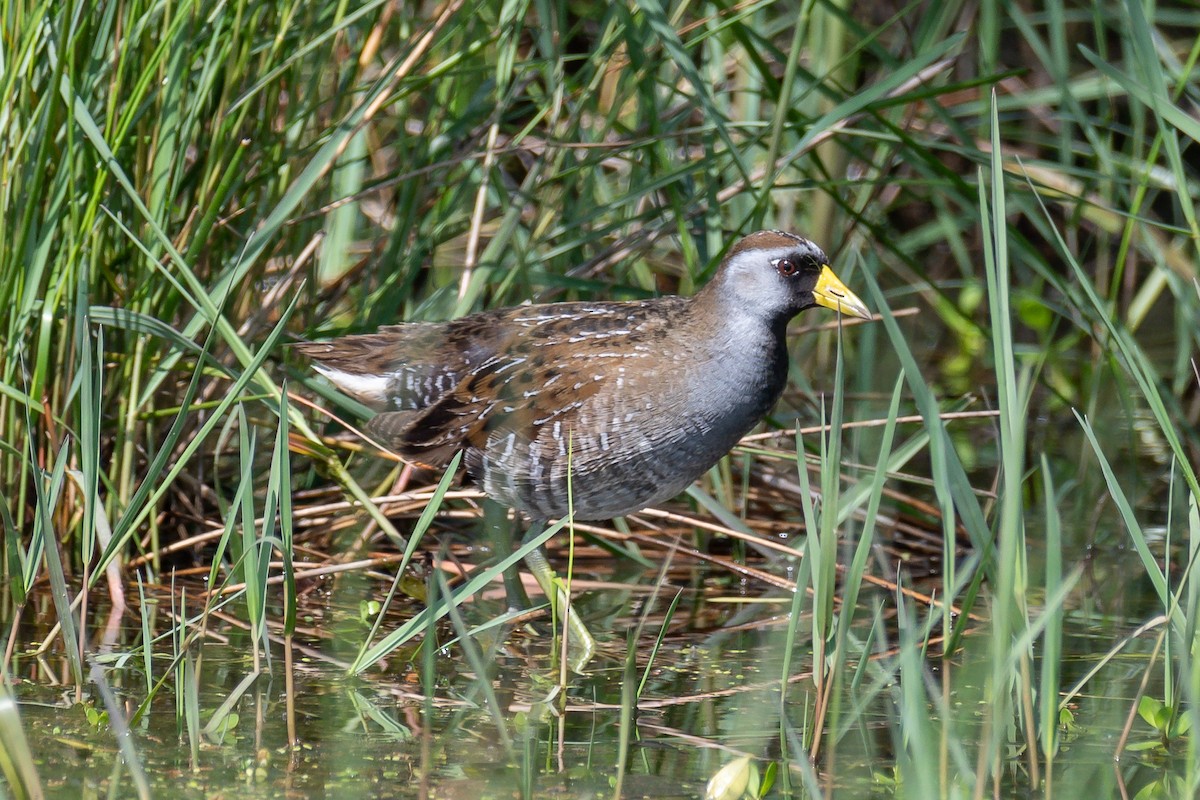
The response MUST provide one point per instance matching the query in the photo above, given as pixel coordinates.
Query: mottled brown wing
(515, 370)
(505, 395)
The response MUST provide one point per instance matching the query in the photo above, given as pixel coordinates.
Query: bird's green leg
(500, 532)
(580, 642)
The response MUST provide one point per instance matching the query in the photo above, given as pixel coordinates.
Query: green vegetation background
(187, 185)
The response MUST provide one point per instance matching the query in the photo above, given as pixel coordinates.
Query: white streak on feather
(372, 388)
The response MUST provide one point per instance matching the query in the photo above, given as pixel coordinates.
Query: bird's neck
(719, 307)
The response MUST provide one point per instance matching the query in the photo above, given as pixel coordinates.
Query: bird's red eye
(786, 267)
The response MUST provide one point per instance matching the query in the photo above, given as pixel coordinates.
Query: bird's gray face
(777, 275)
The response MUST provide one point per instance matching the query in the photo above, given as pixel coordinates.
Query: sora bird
(637, 399)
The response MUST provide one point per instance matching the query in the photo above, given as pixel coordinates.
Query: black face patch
(809, 262)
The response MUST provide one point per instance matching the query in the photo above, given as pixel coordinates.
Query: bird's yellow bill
(833, 294)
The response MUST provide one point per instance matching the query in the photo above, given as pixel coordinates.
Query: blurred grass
(184, 182)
